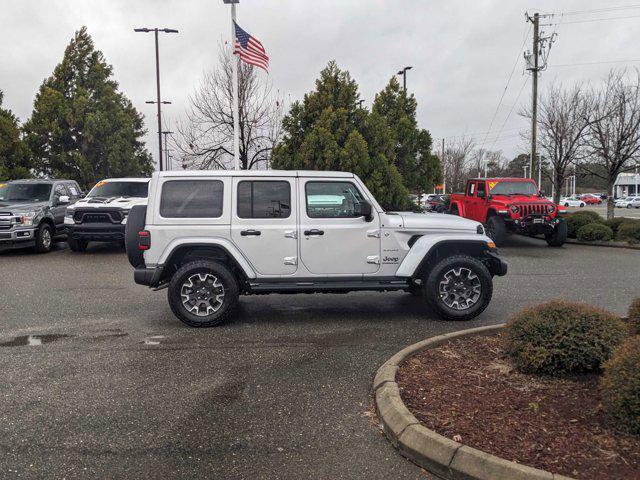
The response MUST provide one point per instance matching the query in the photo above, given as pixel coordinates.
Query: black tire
(44, 238)
(496, 230)
(566, 204)
(222, 276)
(629, 206)
(454, 211)
(559, 235)
(435, 295)
(136, 221)
(77, 245)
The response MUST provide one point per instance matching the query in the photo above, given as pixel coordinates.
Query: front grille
(527, 209)
(5, 220)
(101, 216)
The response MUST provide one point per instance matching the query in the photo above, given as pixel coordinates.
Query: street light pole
(158, 101)
(403, 72)
(235, 107)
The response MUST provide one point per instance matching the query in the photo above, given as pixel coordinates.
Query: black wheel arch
(448, 248)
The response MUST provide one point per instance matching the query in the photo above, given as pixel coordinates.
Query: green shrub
(620, 385)
(561, 337)
(629, 232)
(614, 223)
(594, 216)
(634, 316)
(593, 232)
(575, 222)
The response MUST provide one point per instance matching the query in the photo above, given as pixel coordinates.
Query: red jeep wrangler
(510, 205)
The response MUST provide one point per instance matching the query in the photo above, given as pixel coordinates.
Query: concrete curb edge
(439, 455)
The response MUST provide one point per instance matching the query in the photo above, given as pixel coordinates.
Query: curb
(603, 244)
(438, 454)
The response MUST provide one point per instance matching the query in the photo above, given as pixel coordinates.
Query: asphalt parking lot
(114, 386)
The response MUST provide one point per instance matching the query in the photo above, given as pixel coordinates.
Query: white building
(627, 184)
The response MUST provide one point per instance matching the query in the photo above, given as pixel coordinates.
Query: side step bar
(327, 286)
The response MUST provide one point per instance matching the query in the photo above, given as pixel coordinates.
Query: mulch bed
(468, 391)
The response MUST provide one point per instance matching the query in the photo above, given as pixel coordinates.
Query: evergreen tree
(328, 131)
(14, 156)
(82, 127)
(420, 169)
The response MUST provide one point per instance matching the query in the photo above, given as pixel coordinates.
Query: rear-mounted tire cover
(135, 223)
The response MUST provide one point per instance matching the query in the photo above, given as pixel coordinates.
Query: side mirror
(63, 200)
(364, 209)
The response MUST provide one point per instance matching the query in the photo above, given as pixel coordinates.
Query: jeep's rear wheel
(203, 293)
(558, 236)
(459, 288)
(77, 245)
(496, 230)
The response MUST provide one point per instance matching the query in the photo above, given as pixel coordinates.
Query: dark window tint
(264, 199)
(481, 189)
(59, 190)
(332, 199)
(74, 190)
(25, 192)
(191, 199)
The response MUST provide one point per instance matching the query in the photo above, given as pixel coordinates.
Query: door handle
(252, 233)
(315, 231)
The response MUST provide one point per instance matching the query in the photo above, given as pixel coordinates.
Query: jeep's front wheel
(203, 293)
(459, 288)
(496, 230)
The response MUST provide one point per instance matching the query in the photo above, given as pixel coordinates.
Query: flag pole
(236, 117)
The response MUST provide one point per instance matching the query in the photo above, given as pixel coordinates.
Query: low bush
(594, 232)
(620, 387)
(561, 337)
(577, 221)
(594, 216)
(634, 316)
(629, 232)
(614, 223)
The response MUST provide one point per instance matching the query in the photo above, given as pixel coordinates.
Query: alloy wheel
(460, 288)
(202, 294)
(46, 238)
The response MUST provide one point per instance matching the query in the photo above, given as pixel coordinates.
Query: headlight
(552, 209)
(26, 219)
(69, 212)
(125, 214)
(515, 209)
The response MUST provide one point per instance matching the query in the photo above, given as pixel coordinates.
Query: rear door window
(191, 199)
(264, 199)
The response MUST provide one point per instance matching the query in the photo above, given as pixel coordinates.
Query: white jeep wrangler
(210, 236)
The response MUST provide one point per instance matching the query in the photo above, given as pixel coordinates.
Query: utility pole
(539, 172)
(234, 64)
(536, 61)
(158, 101)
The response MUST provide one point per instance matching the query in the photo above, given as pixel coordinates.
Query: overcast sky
(462, 52)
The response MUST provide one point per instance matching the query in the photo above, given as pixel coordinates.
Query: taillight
(144, 240)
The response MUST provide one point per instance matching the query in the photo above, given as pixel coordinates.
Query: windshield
(25, 192)
(119, 189)
(513, 188)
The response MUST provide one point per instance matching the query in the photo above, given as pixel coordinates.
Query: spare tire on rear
(136, 221)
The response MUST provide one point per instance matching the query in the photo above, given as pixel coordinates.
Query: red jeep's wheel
(558, 236)
(496, 230)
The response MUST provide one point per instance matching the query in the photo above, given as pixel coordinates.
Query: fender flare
(425, 245)
(222, 243)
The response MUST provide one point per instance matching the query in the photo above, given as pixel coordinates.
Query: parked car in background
(590, 199)
(32, 212)
(101, 216)
(628, 202)
(572, 202)
(437, 203)
(510, 205)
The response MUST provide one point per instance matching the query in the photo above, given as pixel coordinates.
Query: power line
(594, 63)
(594, 20)
(602, 10)
(513, 69)
(526, 80)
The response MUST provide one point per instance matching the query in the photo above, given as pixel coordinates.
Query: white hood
(435, 221)
(100, 202)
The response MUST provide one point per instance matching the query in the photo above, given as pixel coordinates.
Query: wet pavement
(98, 379)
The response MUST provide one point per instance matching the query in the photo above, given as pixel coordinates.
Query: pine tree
(82, 127)
(15, 161)
(328, 131)
(420, 169)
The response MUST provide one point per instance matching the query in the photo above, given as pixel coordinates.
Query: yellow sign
(2, 185)
(492, 184)
(100, 183)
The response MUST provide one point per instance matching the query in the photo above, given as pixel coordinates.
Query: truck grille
(101, 216)
(533, 209)
(5, 220)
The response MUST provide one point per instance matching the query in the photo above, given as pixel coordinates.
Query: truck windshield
(513, 188)
(120, 189)
(25, 192)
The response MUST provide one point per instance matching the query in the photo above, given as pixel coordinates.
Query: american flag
(250, 49)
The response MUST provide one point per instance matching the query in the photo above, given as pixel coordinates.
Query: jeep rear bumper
(147, 276)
